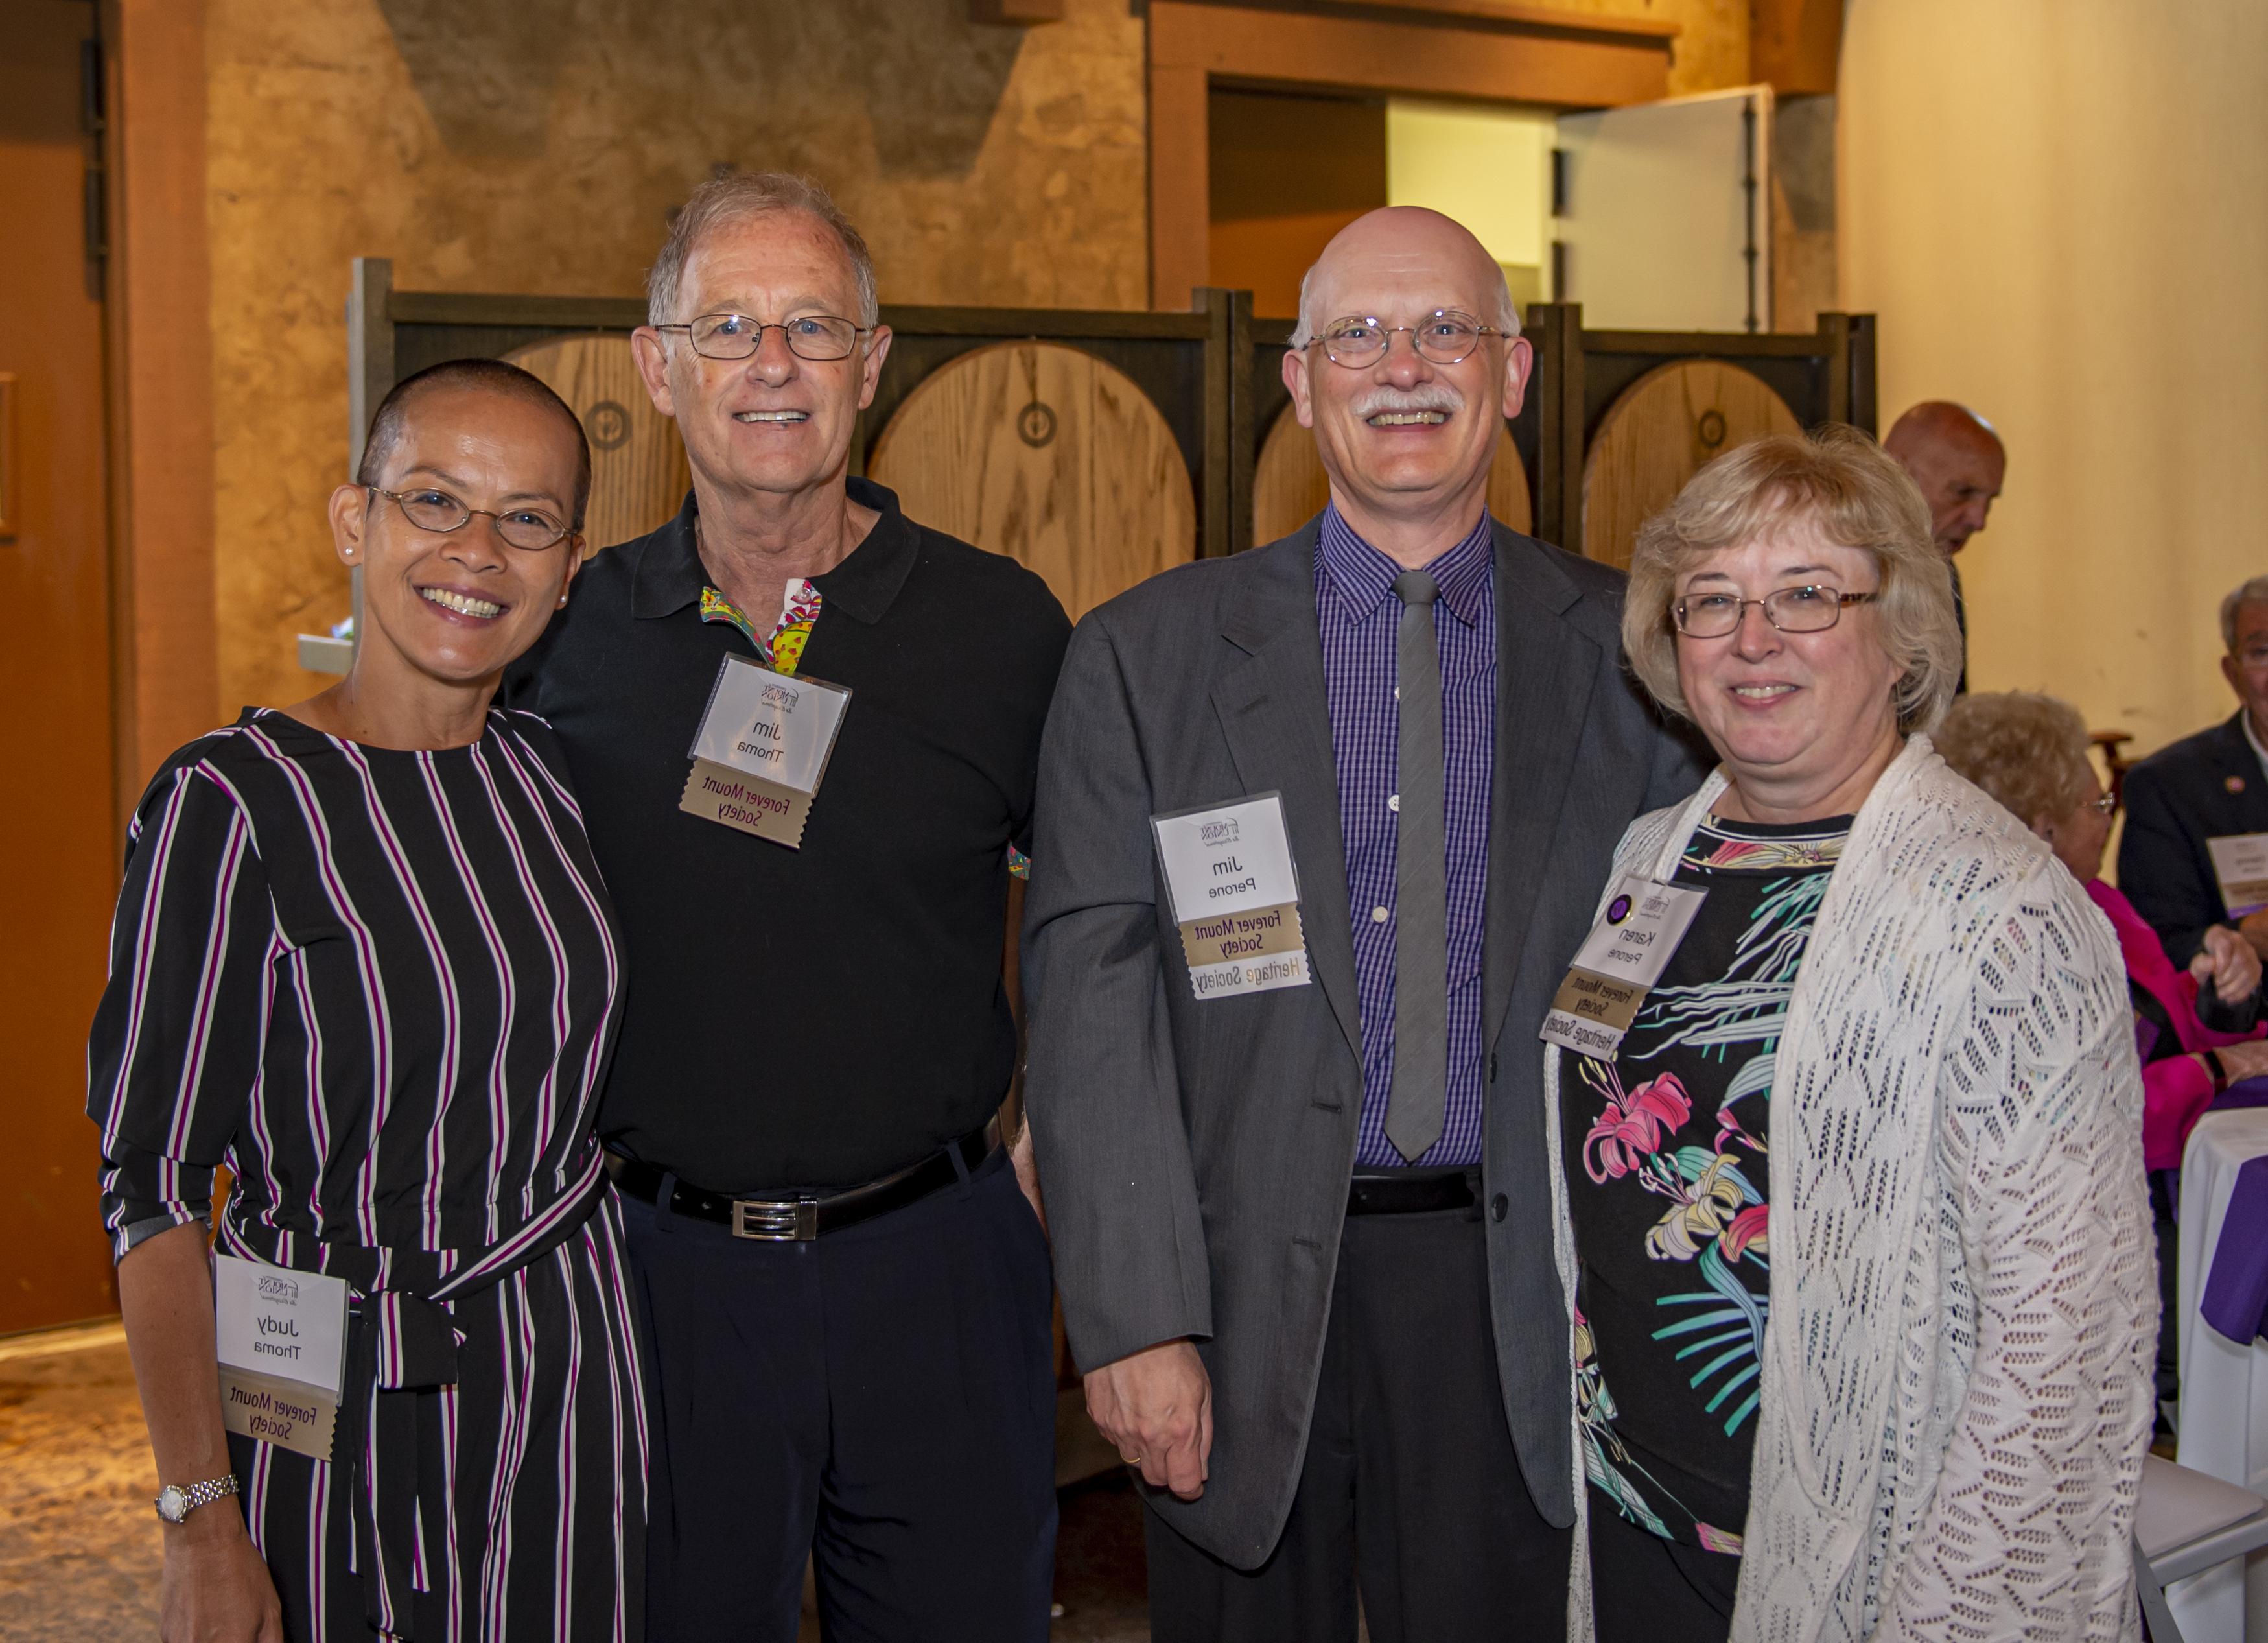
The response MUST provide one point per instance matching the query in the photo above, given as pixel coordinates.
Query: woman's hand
(2227, 961)
(2247, 1060)
(215, 1589)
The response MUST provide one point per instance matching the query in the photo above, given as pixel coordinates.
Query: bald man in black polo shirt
(847, 1295)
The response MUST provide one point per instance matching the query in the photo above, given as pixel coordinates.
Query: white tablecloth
(2224, 1411)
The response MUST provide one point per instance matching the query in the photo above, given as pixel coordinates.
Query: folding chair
(2187, 1522)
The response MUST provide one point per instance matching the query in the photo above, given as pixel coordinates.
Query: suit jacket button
(1500, 1207)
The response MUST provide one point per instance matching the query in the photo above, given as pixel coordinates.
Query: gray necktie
(1421, 895)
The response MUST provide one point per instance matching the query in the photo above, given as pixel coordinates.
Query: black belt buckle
(776, 1220)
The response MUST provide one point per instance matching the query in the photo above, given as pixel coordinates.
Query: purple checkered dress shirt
(1360, 617)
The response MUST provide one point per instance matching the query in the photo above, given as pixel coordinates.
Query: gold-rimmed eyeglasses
(1443, 337)
(1812, 608)
(817, 337)
(531, 530)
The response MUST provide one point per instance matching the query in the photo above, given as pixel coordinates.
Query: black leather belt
(1413, 1191)
(799, 1218)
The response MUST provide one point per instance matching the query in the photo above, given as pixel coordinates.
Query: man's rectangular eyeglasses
(1444, 337)
(813, 336)
(1810, 610)
(529, 529)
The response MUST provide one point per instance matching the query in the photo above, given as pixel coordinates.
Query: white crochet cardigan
(1963, 1301)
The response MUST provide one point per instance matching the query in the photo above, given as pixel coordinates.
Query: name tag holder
(1235, 895)
(762, 749)
(281, 1336)
(1618, 964)
(2240, 861)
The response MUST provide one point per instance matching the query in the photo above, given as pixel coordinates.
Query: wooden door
(58, 844)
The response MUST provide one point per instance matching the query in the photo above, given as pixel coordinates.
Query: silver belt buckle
(775, 1220)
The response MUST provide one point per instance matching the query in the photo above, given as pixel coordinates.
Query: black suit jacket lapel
(1544, 671)
(1276, 718)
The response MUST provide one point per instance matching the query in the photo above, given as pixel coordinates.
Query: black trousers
(1645, 1590)
(1410, 1489)
(881, 1399)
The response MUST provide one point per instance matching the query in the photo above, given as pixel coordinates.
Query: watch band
(2218, 1068)
(174, 1503)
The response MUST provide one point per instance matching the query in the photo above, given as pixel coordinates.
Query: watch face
(172, 1503)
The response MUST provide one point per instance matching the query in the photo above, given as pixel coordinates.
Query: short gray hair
(2254, 591)
(1506, 310)
(735, 197)
(1838, 479)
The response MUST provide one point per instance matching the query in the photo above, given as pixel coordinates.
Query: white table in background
(2224, 1408)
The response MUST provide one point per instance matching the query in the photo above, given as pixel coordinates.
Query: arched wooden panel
(1654, 438)
(1046, 454)
(638, 476)
(1289, 487)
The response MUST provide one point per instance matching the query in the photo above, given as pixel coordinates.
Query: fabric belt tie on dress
(400, 1352)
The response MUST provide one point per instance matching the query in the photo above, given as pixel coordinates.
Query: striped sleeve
(175, 1048)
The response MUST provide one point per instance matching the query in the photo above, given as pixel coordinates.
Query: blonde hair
(2029, 751)
(1840, 482)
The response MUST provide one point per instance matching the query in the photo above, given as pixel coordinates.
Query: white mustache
(1430, 396)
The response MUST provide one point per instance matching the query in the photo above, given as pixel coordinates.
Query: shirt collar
(670, 576)
(2244, 717)
(1362, 579)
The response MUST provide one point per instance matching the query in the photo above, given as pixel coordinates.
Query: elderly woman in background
(2196, 1029)
(1857, 1248)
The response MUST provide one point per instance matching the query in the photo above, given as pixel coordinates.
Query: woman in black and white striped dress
(363, 957)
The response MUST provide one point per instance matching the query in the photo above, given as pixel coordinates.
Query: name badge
(282, 1337)
(1619, 964)
(2240, 861)
(762, 748)
(1235, 895)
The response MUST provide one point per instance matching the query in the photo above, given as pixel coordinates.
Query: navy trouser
(882, 1398)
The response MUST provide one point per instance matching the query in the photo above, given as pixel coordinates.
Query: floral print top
(1667, 1147)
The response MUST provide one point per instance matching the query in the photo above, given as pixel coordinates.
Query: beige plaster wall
(2059, 208)
(537, 146)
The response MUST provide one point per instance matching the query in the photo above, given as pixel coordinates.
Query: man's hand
(215, 1588)
(2227, 962)
(2254, 928)
(1028, 1172)
(1156, 1405)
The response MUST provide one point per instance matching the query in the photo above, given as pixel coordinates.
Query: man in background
(1958, 461)
(2197, 812)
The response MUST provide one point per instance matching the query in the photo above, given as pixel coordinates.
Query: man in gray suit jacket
(1284, 1073)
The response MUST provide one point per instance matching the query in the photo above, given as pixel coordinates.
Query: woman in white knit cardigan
(1853, 1220)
